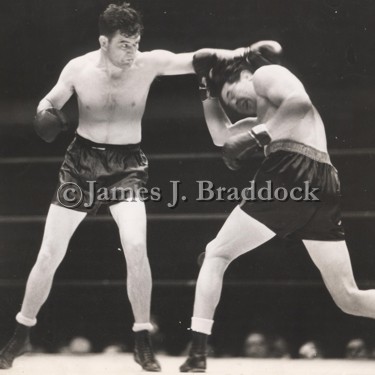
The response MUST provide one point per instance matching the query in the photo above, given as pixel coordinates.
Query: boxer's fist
(49, 122)
(208, 89)
(203, 61)
(262, 53)
(241, 146)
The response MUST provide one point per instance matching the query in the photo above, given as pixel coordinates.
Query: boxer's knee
(347, 299)
(50, 256)
(216, 252)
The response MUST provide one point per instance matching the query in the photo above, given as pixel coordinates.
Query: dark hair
(122, 18)
(228, 71)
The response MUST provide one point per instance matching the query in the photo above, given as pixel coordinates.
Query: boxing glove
(49, 122)
(263, 53)
(241, 146)
(253, 57)
(203, 61)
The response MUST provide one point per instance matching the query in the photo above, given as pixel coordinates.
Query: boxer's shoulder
(272, 71)
(269, 77)
(83, 61)
(76, 64)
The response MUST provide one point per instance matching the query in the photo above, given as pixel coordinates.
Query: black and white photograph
(187, 187)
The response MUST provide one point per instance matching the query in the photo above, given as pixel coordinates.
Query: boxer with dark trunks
(286, 125)
(111, 86)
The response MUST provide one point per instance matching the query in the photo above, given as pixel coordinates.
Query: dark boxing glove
(263, 53)
(49, 123)
(207, 89)
(241, 146)
(253, 57)
(203, 62)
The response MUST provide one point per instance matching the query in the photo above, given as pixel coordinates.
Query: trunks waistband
(300, 148)
(105, 146)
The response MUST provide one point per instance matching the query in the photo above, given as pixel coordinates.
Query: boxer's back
(308, 130)
(300, 121)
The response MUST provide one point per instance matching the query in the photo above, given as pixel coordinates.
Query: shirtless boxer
(111, 86)
(286, 124)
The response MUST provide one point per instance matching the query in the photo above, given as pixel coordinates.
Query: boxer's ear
(246, 75)
(103, 41)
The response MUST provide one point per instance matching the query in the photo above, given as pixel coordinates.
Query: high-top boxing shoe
(16, 346)
(143, 352)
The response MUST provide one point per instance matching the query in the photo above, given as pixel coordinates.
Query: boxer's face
(122, 50)
(240, 95)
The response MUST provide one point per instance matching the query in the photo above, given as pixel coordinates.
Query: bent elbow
(219, 139)
(305, 103)
(218, 142)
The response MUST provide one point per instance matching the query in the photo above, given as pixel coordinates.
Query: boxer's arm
(223, 53)
(168, 63)
(220, 126)
(286, 92)
(243, 125)
(62, 91)
(217, 121)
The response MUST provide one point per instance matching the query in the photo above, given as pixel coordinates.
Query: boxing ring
(119, 364)
(72, 288)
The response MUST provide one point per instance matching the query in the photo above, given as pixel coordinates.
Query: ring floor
(116, 364)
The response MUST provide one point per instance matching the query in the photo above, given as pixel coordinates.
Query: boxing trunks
(316, 216)
(93, 174)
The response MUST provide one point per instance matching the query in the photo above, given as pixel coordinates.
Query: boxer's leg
(333, 261)
(131, 220)
(60, 226)
(239, 234)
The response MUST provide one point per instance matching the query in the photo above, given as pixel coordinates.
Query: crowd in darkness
(256, 345)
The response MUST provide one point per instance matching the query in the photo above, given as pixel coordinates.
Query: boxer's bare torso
(112, 103)
(111, 85)
(304, 126)
(279, 101)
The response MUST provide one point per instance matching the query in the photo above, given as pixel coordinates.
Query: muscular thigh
(239, 234)
(61, 223)
(131, 220)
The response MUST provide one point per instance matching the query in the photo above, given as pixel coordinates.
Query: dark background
(330, 45)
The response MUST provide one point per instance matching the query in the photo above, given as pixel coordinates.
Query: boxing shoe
(16, 346)
(143, 352)
(196, 361)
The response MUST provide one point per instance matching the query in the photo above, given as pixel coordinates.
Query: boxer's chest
(99, 91)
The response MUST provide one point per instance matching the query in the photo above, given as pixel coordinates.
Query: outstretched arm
(169, 63)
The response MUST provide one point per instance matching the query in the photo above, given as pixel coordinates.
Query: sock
(137, 327)
(202, 325)
(25, 321)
